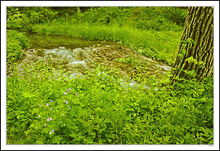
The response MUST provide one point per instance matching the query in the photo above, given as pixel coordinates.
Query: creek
(74, 57)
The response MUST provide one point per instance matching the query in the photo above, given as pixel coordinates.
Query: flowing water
(74, 56)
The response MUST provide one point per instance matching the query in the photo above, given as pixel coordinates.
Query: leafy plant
(98, 110)
(15, 42)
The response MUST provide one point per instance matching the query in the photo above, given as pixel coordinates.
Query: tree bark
(196, 47)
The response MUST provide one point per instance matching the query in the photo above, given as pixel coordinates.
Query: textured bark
(198, 27)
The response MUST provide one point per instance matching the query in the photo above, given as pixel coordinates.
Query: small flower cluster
(48, 103)
(65, 93)
(49, 119)
(51, 131)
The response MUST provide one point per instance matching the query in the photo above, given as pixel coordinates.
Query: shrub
(15, 42)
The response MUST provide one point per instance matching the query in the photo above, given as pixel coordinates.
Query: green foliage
(98, 110)
(191, 60)
(146, 18)
(23, 18)
(188, 43)
(15, 42)
(14, 19)
(130, 59)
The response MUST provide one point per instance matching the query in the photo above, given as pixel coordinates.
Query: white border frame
(4, 4)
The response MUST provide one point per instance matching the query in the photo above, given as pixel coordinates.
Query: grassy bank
(160, 45)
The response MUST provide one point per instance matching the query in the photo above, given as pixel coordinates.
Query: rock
(77, 62)
(31, 50)
(149, 59)
(61, 47)
(68, 57)
(78, 49)
(87, 49)
(50, 51)
(167, 68)
(55, 49)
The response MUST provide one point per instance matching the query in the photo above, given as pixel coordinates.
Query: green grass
(100, 111)
(160, 45)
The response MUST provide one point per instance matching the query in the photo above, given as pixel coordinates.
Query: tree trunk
(196, 47)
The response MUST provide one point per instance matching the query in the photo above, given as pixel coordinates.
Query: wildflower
(65, 93)
(51, 108)
(67, 89)
(52, 130)
(51, 101)
(50, 118)
(76, 93)
(38, 115)
(70, 89)
(45, 125)
(69, 107)
(66, 102)
(47, 104)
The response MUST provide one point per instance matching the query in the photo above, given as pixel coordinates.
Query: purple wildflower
(66, 102)
(50, 118)
(70, 89)
(51, 101)
(47, 104)
(65, 93)
(52, 130)
(76, 93)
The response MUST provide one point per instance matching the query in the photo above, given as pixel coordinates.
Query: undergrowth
(15, 42)
(98, 110)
